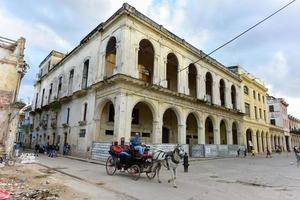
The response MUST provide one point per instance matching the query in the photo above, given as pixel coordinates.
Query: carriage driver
(136, 143)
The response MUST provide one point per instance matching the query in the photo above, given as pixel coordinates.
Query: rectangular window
(265, 117)
(271, 108)
(82, 133)
(260, 114)
(43, 94)
(258, 96)
(36, 100)
(68, 115)
(246, 90)
(59, 86)
(255, 112)
(111, 114)
(254, 95)
(49, 65)
(85, 74)
(263, 97)
(84, 111)
(247, 109)
(109, 132)
(273, 121)
(50, 92)
(135, 116)
(70, 86)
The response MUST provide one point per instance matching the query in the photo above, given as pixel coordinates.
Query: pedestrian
(238, 152)
(252, 152)
(268, 153)
(245, 152)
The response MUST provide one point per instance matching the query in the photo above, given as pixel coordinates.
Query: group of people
(252, 152)
(51, 150)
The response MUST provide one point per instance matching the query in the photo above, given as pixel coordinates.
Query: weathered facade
(131, 75)
(278, 116)
(294, 124)
(255, 122)
(12, 69)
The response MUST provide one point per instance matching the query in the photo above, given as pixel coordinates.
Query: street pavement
(231, 178)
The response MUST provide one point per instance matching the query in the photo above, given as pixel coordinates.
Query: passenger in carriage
(136, 143)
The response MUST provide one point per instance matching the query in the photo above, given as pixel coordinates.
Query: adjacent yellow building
(255, 126)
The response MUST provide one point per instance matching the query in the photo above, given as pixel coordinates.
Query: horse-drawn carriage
(126, 158)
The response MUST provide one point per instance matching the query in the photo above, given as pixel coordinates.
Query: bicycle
(6, 160)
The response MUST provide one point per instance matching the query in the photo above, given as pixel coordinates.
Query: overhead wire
(226, 43)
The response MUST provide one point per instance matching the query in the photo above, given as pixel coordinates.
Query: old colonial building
(255, 122)
(279, 123)
(130, 75)
(12, 69)
(294, 124)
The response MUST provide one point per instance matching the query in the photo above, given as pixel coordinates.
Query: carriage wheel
(135, 172)
(110, 166)
(10, 162)
(151, 174)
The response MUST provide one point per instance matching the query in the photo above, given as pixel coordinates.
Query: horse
(169, 160)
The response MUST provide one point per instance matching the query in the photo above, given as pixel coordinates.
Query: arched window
(208, 87)
(110, 57)
(233, 96)
(85, 74)
(146, 61)
(192, 80)
(222, 92)
(172, 72)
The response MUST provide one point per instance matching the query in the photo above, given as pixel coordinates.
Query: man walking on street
(268, 153)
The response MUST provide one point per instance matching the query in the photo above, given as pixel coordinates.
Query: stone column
(254, 141)
(229, 136)
(201, 135)
(122, 122)
(216, 136)
(157, 132)
(228, 103)
(260, 143)
(284, 143)
(182, 134)
(216, 92)
(156, 73)
(265, 142)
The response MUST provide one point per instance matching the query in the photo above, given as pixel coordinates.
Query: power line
(236, 37)
(233, 39)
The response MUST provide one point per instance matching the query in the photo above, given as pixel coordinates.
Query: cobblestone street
(232, 178)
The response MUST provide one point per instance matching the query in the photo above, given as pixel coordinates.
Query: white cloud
(39, 35)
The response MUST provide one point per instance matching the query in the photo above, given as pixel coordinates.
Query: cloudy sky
(269, 52)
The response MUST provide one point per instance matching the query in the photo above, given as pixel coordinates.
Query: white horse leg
(157, 172)
(172, 178)
(175, 173)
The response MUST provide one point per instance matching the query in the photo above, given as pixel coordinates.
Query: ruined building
(12, 69)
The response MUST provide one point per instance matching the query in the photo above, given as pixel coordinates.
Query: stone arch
(142, 118)
(192, 123)
(170, 123)
(146, 61)
(150, 104)
(222, 91)
(172, 72)
(223, 132)
(209, 130)
(110, 57)
(249, 135)
(192, 80)
(257, 141)
(233, 97)
(209, 86)
(234, 129)
(104, 117)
